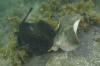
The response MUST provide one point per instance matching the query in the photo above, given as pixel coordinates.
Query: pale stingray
(66, 38)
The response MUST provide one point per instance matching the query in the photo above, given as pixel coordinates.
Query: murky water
(87, 54)
(5, 5)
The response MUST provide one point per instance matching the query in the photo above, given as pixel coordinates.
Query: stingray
(66, 37)
(37, 37)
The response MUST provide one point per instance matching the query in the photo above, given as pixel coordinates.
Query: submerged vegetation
(55, 9)
(12, 53)
(50, 11)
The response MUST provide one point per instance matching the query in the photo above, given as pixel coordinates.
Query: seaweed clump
(11, 52)
(54, 9)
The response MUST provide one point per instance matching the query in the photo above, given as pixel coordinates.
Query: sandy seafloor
(87, 54)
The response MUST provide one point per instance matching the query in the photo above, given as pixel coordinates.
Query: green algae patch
(54, 9)
(12, 55)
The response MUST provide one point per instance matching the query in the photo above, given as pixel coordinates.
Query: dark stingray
(38, 37)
